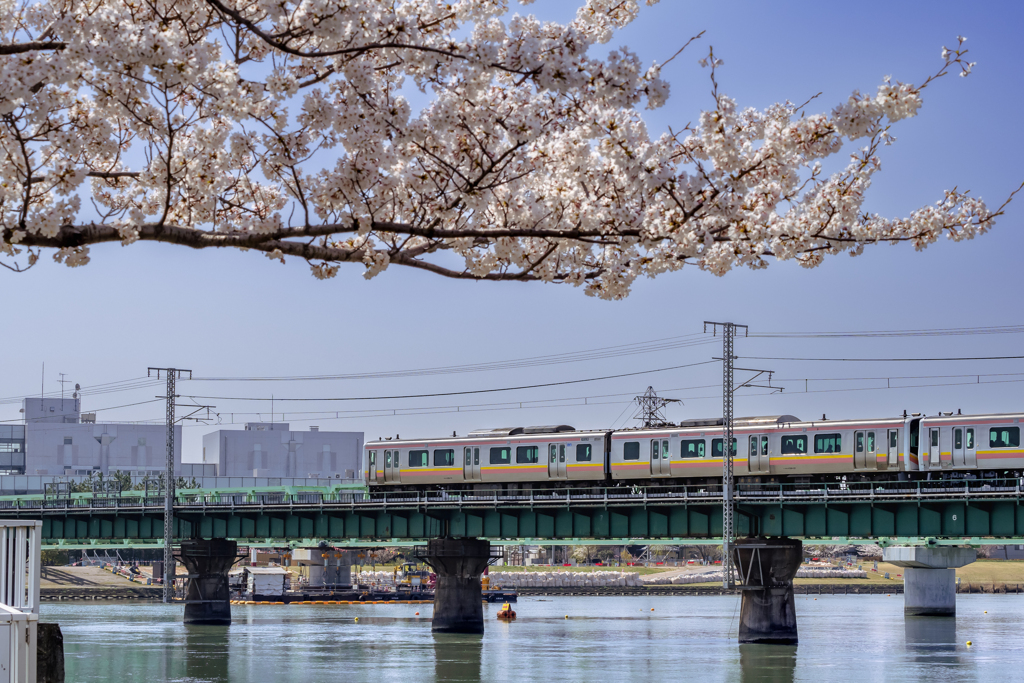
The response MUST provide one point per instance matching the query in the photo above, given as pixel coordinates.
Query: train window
(527, 454)
(828, 443)
(373, 457)
(417, 458)
(387, 458)
(716, 448)
(631, 450)
(655, 449)
(893, 437)
(764, 445)
(561, 453)
(692, 449)
(913, 440)
(583, 452)
(753, 445)
(935, 438)
(469, 456)
(859, 443)
(444, 457)
(871, 442)
(795, 444)
(958, 438)
(664, 449)
(501, 456)
(970, 439)
(1004, 437)
(554, 451)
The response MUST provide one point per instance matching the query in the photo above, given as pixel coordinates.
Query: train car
(769, 448)
(964, 446)
(765, 449)
(524, 456)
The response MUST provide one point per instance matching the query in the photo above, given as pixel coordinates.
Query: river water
(863, 637)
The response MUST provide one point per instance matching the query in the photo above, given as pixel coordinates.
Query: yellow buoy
(357, 618)
(566, 616)
(969, 643)
(986, 611)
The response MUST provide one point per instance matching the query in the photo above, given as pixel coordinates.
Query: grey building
(265, 449)
(60, 440)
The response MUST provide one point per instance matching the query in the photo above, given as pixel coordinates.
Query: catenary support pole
(169, 566)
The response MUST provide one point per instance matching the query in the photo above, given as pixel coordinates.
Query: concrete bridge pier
(929, 577)
(207, 595)
(459, 564)
(767, 567)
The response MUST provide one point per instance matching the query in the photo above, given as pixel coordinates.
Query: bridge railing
(582, 495)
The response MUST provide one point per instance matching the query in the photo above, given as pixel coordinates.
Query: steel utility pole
(169, 569)
(728, 390)
(728, 527)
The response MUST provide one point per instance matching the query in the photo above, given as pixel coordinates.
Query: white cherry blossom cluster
(288, 127)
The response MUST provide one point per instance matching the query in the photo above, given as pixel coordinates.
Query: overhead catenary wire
(452, 393)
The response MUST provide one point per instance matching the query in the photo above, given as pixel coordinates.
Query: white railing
(19, 599)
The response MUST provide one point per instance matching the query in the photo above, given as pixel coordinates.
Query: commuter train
(779, 448)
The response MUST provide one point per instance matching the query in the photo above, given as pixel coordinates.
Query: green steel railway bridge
(928, 527)
(966, 512)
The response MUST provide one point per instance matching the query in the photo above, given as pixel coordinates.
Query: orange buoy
(506, 613)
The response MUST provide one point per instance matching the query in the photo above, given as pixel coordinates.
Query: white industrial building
(60, 440)
(265, 449)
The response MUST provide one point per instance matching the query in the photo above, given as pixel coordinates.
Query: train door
(660, 463)
(872, 453)
(375, 474)
(556, 461)
(859, 454)
(471, 464)
(757, 453)
(894, 448)
(933, 446)
(958, 447)
(390, 466)
(970, 454)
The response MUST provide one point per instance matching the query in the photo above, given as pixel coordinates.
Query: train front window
(794, 444)
(970, 439)
(583, 452)
(444, 457)
(631, 450)
(1004, 437)
(526, 454)
(692, 448)
(501, 456)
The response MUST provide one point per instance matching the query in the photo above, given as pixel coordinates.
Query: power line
(453, 393)
(884, 360)
(940, 332)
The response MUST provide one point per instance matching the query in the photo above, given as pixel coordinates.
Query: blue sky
(238, 314)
